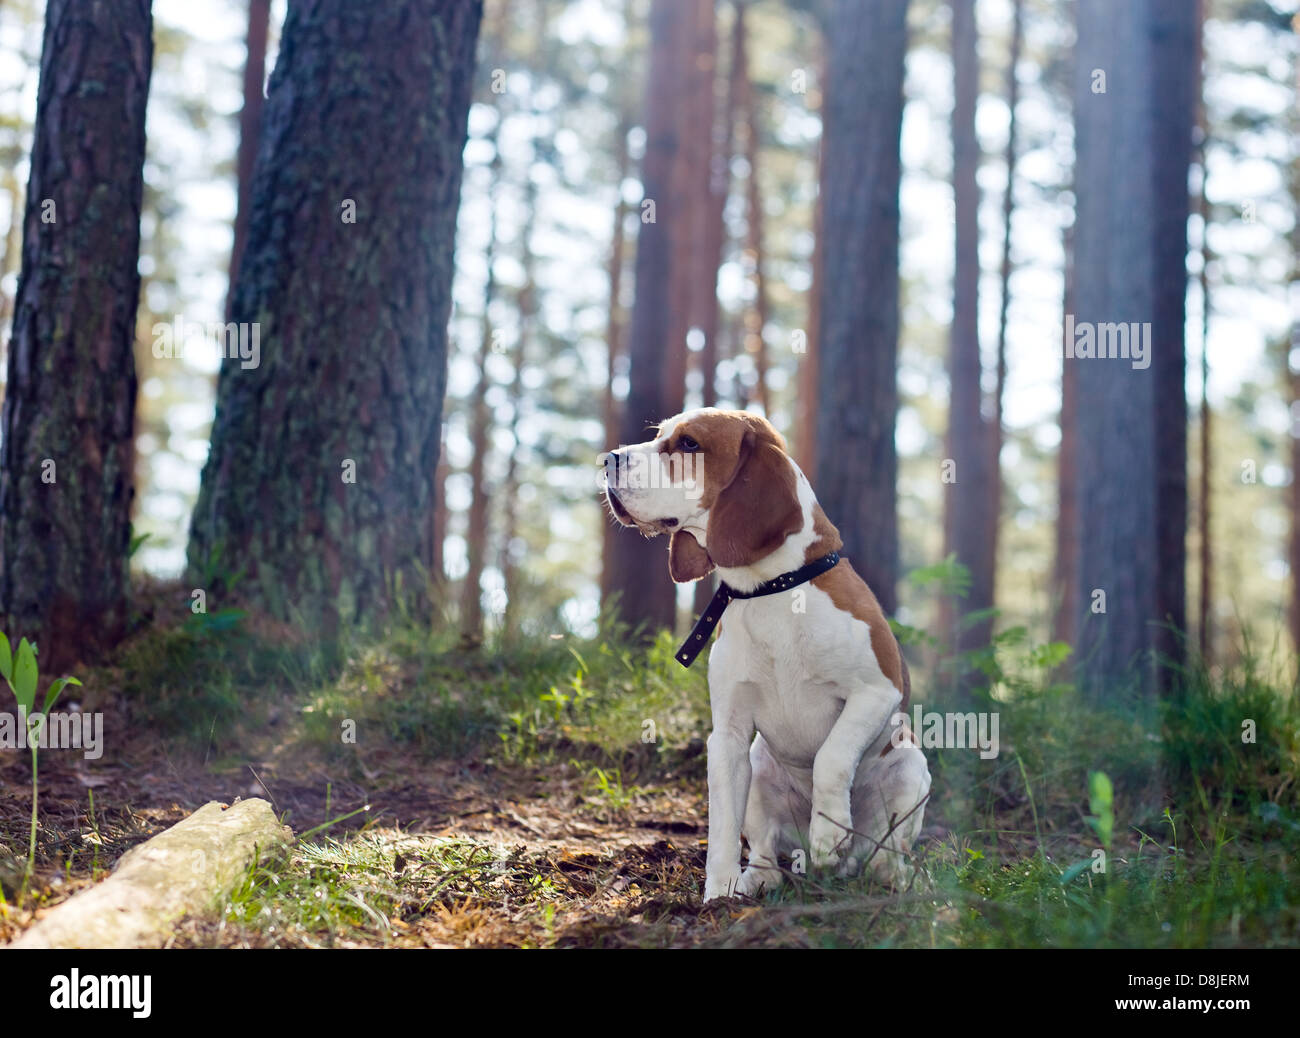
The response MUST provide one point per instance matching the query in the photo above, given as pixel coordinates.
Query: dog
(810, 752)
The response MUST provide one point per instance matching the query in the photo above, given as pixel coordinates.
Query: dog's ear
(759, 506)
(687, 561)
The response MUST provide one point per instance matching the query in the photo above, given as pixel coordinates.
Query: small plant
(20, 671)
(606, 788)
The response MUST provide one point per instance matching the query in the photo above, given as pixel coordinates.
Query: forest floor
(452, 797)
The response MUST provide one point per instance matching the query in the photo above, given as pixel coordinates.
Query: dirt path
(567, 866)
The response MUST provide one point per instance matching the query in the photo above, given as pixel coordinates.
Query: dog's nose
(612, 459)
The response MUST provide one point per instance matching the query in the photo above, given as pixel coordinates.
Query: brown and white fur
(814, 671)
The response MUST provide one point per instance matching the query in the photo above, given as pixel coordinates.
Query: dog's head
(720, 482)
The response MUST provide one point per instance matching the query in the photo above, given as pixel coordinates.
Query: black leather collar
(705, 625)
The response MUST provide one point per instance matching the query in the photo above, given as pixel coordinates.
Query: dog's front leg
(864, 715)
(729, 775)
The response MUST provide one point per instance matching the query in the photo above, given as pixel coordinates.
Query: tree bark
(319, 483)
(857, 464)
(66, 480)
(250, 128)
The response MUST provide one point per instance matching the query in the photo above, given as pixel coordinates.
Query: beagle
(804, 657)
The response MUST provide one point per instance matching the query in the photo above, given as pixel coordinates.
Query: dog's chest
(793, 659)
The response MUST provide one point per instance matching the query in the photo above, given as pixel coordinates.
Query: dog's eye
(687, 445)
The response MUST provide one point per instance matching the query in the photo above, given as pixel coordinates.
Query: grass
(528, 704)
(595, 750)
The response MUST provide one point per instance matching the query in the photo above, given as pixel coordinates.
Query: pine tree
(69, 409)
(319, 483)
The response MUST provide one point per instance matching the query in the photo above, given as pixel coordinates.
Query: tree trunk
(714, 236)
(510, 488)
(857, 464)
(714, 229)
(805, 440)
(477, 520)
(614, 346)
(756, 318)
(1176, 63)
(66, 480)
(1065, 576)
(692, 176)
(615, 328)
(441, 517)
(319, 483)
(480, 425)
(1008, 211)
(968, 517)
(1293, 371)
(1132, 147)
(250, 127)
(656, 382)
(1204, 630)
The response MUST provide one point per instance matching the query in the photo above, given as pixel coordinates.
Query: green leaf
(56, 687)
(952, 577)
(1101, 794)
(1012, 636)
(908, 635)
(1049, 656)
(6, 658)
(24, 680)
(1101, 800)
(1075, 871)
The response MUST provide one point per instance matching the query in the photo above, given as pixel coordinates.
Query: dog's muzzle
(616, 506)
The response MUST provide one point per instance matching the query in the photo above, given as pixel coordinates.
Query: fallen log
(179, 871)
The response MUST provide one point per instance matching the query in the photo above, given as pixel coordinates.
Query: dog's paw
(754, 880)
(825, 840)
(723, 884)
(850, 865)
